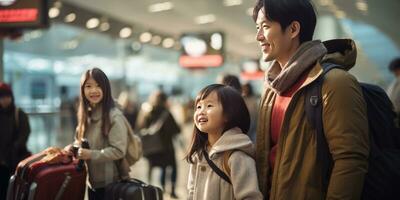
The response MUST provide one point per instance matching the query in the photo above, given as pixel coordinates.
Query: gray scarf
(304, 58)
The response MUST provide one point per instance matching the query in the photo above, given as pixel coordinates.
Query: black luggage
(132, 189)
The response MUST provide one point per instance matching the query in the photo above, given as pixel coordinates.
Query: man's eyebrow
(262, 22)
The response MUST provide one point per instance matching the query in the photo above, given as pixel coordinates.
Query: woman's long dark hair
(107, 103)
(234, 110)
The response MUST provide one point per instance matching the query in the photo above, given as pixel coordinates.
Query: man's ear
(294, 29)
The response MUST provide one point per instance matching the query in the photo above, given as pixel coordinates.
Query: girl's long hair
(234, 110)
(107, 103)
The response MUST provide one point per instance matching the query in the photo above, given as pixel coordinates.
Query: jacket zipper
(282, 137)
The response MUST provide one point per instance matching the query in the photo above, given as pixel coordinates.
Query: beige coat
(296, 171)
(205, 184)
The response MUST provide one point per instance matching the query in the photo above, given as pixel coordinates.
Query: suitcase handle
(133, 180)
(81, 163)
(63, 186)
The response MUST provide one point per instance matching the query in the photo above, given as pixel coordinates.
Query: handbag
(151, 139)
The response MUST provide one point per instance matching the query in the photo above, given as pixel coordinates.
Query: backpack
(383, 176)
(134, 151)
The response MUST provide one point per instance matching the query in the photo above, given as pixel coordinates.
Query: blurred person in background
(231, 80)
(150, 113)
(14, 134)
(129, 108)
(251, 101)
(394, 88)
(68, 110)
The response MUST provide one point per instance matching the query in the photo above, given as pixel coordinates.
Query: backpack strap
(313, 111)
(216, 169)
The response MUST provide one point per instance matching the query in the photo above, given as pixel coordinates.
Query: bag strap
(215, 168)
(313, 110)
(160, 121)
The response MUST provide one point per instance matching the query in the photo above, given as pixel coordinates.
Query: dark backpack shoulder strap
(216, 169)
(313, 111)
(313, 98)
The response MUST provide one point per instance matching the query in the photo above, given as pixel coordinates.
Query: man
(394, 88)
(286, 142)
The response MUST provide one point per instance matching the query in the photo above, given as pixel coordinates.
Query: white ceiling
(234, 21)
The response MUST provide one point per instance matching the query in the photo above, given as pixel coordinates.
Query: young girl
(221, 119)
(104, 127)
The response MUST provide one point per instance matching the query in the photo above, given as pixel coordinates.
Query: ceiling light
(125, 32)
(362, 6)
(104, 26)
(158, 7)
(145, 37)
(168, 42)
(54, 12)
(70, 17)
(7, 2)
(205, 19)
(216, 41)
(156, 40)
(232, 2)
(92, 23)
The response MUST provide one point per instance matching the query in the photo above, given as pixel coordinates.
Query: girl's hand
(84, 154)
(68, 150)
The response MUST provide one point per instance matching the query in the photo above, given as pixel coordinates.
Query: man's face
(273, 40)
(5, 101)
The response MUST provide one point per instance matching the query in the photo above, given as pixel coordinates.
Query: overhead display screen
(202, 50)
(23, 14)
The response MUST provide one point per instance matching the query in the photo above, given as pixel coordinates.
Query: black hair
(231, 80)
(160, 98)
(107, 103)
(234, 110)
(286, 11)
(394, 64)
(248, 88)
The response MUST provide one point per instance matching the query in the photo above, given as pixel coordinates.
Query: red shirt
(278, 113)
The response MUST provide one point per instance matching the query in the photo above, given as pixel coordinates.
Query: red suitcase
(37, 178)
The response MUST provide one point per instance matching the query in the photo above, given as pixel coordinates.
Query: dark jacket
(13, 136)
(167, 132)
